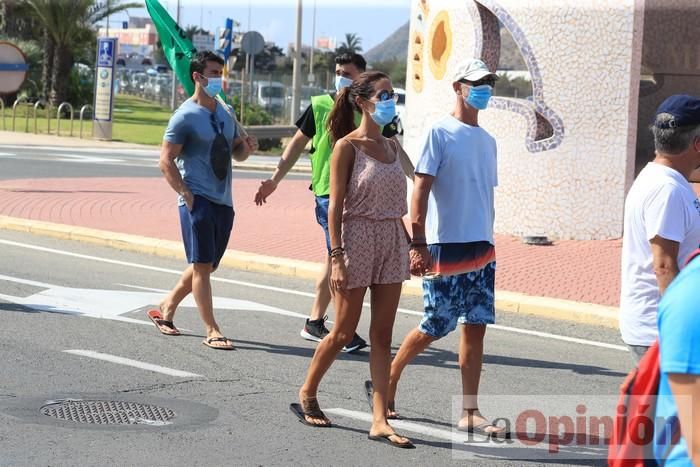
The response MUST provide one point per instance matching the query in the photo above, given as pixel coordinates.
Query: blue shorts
(206, 230)
(322, 217)
(466, 298)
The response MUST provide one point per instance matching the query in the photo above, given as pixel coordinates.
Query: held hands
(421, 262)
(266, 188)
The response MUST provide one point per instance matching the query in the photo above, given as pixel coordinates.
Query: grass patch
(135, 120)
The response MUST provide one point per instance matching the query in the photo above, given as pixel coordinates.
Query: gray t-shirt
(196, 128)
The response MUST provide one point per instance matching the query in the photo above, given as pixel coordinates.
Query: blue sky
(276, 19)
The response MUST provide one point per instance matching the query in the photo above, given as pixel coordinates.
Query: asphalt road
(54, 162)
(74, 327)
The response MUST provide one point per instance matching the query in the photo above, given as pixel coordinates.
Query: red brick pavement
(585, 271)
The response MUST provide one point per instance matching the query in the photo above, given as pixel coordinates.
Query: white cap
(472, 69)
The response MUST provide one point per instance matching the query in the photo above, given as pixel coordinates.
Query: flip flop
(385, 439)
(164, 326)
(481, 430)
(369, 389)
(313, 411)
(208, 342)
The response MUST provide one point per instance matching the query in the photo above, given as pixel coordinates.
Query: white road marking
(135, 363)
(299, 293)
(112, 304)
(404, 425)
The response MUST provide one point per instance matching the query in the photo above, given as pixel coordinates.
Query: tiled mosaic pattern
(584, 58)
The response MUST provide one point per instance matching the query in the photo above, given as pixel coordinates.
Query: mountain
(394, 47)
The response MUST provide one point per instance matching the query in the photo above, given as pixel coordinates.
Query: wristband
(418, 245)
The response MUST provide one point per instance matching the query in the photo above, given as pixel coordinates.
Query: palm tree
(191, 31)
(71, 26)
(351, 45)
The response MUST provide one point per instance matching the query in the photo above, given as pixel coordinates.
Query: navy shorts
(205, 230)
(322, 217)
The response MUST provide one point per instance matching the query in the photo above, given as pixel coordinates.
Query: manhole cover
(108, 412)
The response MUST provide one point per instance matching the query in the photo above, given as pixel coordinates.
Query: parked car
(400, 108)
(270, 95)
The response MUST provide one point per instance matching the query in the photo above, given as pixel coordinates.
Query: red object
(632, 441)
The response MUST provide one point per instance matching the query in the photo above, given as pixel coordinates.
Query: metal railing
(82, 114)
(36, 107)
(271, 131)
(58, 118)
(14, 114)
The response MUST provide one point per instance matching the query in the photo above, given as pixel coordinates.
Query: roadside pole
(296, 80)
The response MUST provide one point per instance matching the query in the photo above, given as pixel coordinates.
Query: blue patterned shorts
(465, 298)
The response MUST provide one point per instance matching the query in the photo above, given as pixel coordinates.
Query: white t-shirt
(462, 158)
(661, 202)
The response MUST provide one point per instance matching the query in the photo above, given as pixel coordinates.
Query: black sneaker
(315, 330)
(356, 344)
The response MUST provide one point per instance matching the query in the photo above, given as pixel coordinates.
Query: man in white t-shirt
(452, 213)
(662, 220)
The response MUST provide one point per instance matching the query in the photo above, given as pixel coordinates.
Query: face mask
(384, 112)
(479, 96)
(342, 82)
(213, 86)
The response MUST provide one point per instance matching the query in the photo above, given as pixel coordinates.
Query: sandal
(312, 410)
(387, 439)
(164, 326)
(480, 429)
(208, 343)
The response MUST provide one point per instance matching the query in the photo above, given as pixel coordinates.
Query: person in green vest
(312, 127)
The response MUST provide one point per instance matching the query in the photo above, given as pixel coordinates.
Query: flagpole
(173, 96)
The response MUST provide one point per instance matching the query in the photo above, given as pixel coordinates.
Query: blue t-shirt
(196, 128)
(462, 158)
(679, 345)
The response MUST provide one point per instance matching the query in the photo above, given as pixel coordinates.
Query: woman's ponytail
(341, 120)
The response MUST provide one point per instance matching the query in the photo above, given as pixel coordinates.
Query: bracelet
(418, 245)
(338, 251)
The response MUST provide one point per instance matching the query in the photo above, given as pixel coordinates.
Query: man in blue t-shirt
(195, 158)
(678, 405)
(452, 215)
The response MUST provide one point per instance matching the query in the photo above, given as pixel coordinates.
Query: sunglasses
(489, 80)
(218, 126)
(386, 96)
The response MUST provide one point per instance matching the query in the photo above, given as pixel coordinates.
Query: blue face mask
(213, 86)
(342, 82)
(479, 96)
(384, 112)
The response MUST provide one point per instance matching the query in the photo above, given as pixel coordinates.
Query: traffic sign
(13, 67)
(252, 43)
(104, 88)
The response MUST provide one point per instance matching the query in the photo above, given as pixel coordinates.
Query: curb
(514, 302)
(269, 167)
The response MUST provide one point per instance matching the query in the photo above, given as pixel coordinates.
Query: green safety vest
(321, 147)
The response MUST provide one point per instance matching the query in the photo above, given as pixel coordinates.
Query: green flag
(177, 47)
(178, 50)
